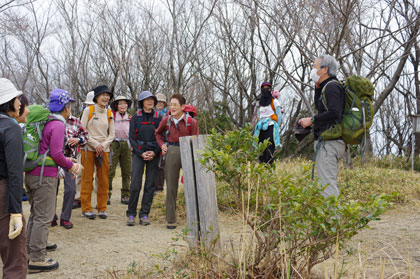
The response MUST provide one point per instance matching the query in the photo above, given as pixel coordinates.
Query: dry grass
(388, 250)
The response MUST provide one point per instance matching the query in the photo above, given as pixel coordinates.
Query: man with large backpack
(329, 101)
(171, 128)
(41, 181)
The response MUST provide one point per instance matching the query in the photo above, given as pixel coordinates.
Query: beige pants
(328, 155)
(42, 199)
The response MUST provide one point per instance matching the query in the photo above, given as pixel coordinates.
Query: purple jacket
(53, 132)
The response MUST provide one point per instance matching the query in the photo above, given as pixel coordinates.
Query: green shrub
(294, 227)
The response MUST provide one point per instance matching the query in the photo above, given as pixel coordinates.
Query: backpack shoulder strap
(322, 97)
(167, 128)
(188, 122)
(156, 114)
(139, 113)
(272, 105)
(110, 116)
(91, 112)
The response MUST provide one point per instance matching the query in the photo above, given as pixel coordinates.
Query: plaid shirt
(74, 129)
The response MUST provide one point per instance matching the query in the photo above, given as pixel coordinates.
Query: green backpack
(358, 111)
(37, 118)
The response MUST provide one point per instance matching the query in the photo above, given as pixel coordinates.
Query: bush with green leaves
(293, 226)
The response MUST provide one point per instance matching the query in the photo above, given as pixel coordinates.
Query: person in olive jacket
(145, 153)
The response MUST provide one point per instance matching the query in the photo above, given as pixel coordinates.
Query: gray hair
(330, 62)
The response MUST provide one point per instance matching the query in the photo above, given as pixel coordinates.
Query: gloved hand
(76, 169)
(61, 174)
(15, 225)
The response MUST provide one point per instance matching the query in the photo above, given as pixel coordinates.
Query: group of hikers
(40, 146)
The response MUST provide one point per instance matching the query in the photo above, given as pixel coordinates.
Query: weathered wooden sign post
(200, 194)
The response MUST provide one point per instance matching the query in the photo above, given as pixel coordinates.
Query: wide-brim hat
(300, 132)
(7, 91)
(161, 98)
(114, 104)
(102, 89)
(144, 95)
(89, 98)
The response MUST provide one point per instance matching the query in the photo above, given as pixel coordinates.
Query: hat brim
(115, 103)
(111, 96)
(14, 95)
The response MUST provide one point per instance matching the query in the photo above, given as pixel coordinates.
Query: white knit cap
(7, 91)
(89, 98)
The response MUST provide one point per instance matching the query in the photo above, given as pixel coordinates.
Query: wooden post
(200, 194)
(188, 172)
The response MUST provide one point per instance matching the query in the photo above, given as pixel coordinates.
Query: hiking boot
(51, 247)
(76, 204)
(124, 200)
(102, 214)
(131, 221)
(54, 223)
(90, 215)
(45, 266)
(144, 221)
(171, 226)
(66, 224)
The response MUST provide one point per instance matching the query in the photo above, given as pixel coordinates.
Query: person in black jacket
(12, 223)
(330, 110)
(145, 153)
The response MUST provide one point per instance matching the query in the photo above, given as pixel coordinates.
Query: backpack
(140, 114)
(358, 111)
(188, 124)
(274, 117)
(37, 118)
(92, 113)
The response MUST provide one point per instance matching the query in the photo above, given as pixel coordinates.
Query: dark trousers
(13, 252)
(267, 156)
(69, 194)
(137, 170)
(160, 174)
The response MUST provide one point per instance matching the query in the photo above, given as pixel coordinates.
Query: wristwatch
(313, 119)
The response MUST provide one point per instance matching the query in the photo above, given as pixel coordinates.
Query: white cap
(7, 91)
(89, 98)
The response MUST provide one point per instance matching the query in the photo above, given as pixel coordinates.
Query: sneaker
(24, 197)
(144, 221)
(90, 215)
(102, 214)
(171, 226)
(125, 200)
(45, 266)
(54, 223)
(66, 224)
(76, 204)
(130, 221)
(51, 247)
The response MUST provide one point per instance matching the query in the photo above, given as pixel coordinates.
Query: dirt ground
(93, 247)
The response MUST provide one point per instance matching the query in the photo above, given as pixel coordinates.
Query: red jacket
(175, 132)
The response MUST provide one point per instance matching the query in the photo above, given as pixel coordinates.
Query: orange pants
(89, 160)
